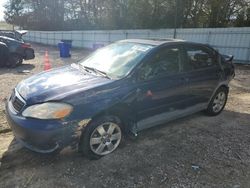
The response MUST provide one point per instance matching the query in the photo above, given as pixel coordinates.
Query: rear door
(203, 72)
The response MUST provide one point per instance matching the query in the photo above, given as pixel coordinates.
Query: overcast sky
(2, 2)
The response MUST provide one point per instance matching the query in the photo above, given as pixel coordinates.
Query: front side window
(165, 62)
(198, 58)
(118, 59)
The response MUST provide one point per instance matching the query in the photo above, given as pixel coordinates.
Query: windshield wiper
(104, 74)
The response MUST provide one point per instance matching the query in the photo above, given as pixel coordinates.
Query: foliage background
(126, 14)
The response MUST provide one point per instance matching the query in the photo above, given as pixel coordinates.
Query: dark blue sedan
(122, 88)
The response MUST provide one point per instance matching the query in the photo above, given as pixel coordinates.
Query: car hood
(57, 84)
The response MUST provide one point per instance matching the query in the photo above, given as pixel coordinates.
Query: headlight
(49, 110)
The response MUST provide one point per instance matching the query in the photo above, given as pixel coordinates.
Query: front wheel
(101, 137)
(218, 102)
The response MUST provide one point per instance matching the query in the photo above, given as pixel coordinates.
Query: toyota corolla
(123, 88)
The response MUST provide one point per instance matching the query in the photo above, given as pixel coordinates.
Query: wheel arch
(118, 111)
(223, 86)
(16, 54)
(110, 112)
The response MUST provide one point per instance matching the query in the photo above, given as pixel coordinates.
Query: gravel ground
(196, 151)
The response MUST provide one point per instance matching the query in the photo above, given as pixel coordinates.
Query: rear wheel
(101, 137)
(218, 102)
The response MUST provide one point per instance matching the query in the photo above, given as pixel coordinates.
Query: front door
(162, 88)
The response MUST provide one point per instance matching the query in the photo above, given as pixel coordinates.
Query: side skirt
(166, 117)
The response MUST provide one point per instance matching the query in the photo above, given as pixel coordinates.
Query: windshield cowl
(89, 70)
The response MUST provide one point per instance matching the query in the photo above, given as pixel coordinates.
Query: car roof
(154, 42)
(160, 42)
(7, 38)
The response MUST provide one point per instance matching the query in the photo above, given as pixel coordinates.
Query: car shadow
(11, 157)
(25, 67)
(21, 69)
(185, 123)
(197, 139)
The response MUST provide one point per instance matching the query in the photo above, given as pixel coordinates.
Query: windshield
(118, 59)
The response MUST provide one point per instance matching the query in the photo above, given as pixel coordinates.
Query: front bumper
(42, 136)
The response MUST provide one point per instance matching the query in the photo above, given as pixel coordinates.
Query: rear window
(198, 57)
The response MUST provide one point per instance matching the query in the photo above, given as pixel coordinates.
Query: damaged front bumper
(44, 136)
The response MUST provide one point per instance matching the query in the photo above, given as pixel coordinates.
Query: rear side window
(164, 62)
(198, 58)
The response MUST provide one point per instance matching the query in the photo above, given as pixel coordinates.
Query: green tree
(14, 12)
(125, 14)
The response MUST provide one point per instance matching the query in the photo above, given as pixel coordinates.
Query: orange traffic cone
(47, 65)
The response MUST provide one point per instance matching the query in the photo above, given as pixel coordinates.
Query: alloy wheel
(105, 138)
(219, 101)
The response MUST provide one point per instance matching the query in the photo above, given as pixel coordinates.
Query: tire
(15, 60)
(101, 137)
(218, 102)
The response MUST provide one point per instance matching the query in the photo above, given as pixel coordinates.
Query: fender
(116, 101)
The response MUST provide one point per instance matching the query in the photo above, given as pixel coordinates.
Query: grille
(17, 103)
